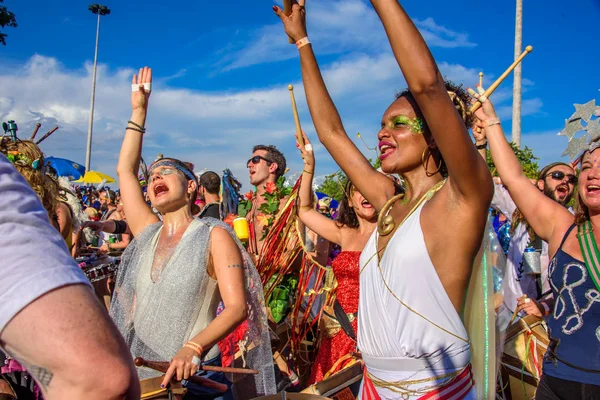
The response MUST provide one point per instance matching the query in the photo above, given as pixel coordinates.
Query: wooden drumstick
(37, 128)
(516, 310)
(495, 85)
(287, 10)
(299, 136)
(481, 79)
(47, 135)
(163, 366)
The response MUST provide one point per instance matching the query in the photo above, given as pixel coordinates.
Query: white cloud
(335, 27)
(214, 130)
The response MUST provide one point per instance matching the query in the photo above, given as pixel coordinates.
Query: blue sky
(222, 70)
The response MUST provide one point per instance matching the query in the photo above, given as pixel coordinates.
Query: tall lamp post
(99, 10)
(516, 117)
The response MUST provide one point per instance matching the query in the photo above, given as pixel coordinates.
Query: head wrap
(178, 165)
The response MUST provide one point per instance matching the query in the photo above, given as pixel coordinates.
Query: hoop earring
(425, 160)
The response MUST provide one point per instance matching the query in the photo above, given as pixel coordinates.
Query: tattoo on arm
(42, 375)
(235, 266)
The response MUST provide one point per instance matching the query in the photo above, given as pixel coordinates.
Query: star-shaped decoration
(576, 146)
(593, 128)
(584, 111)
(571, 128)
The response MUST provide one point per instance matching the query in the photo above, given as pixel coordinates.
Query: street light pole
(100, 10)
(516, 117)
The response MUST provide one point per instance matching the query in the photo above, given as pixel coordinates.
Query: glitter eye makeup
(414, 124)
(162, 172)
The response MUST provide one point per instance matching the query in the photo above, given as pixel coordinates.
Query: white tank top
(387, 329)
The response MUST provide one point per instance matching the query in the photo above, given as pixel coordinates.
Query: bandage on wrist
(490, 122)
(302, 42)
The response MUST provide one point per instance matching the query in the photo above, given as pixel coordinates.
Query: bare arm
(313, 219)
(138, 213)
(65, 219)
(469, 176)
(229, 270)
(376, 188)
(64, 332)
(541, 213)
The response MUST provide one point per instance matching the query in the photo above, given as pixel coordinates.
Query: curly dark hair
(275, 156)
(461, 101)
(346, 215)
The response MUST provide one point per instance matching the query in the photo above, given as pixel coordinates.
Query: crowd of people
(219, 295)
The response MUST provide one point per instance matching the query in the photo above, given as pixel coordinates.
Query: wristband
(194, 346)
(546, 308)
(308, 172)
(302, 42)
(490, 122)
(481, 146)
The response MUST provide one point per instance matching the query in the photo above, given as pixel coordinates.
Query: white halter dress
(400, 344)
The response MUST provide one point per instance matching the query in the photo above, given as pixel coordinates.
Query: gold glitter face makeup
(414, 124)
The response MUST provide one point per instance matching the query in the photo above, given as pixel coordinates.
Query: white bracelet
(302, 42)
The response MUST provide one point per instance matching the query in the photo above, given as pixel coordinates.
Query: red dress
(346, 271)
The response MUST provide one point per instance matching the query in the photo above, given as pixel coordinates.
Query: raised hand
(485, 115)
(295, 23)
(308, 154)
(141, 87)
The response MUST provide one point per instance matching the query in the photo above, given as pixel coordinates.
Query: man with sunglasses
(265, 166)
(557, 181)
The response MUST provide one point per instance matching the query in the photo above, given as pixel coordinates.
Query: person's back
(43, 287)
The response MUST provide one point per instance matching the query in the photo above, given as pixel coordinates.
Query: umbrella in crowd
(95, 177)
(67, 168)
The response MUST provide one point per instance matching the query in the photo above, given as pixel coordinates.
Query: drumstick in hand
(495, 85)
(299, 136)
(163, 366)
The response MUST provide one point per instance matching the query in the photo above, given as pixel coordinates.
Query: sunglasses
(256, 159)
(559, 176)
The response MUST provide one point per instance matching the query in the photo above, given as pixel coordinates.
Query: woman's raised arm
(376, 188)
(139, 215)
(468, 173)
(310, 217)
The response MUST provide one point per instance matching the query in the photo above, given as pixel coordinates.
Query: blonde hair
(43, 185)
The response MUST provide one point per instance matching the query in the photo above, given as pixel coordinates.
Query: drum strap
(343, 319)
(589, 249)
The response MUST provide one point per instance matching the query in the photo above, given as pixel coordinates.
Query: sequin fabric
(346, 271)
(158, 318)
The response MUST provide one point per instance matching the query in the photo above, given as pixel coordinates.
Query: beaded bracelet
(133, 128)
(136, 125)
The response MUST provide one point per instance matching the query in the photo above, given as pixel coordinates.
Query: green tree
(333, 185)
(525, 157)
(7, 18)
